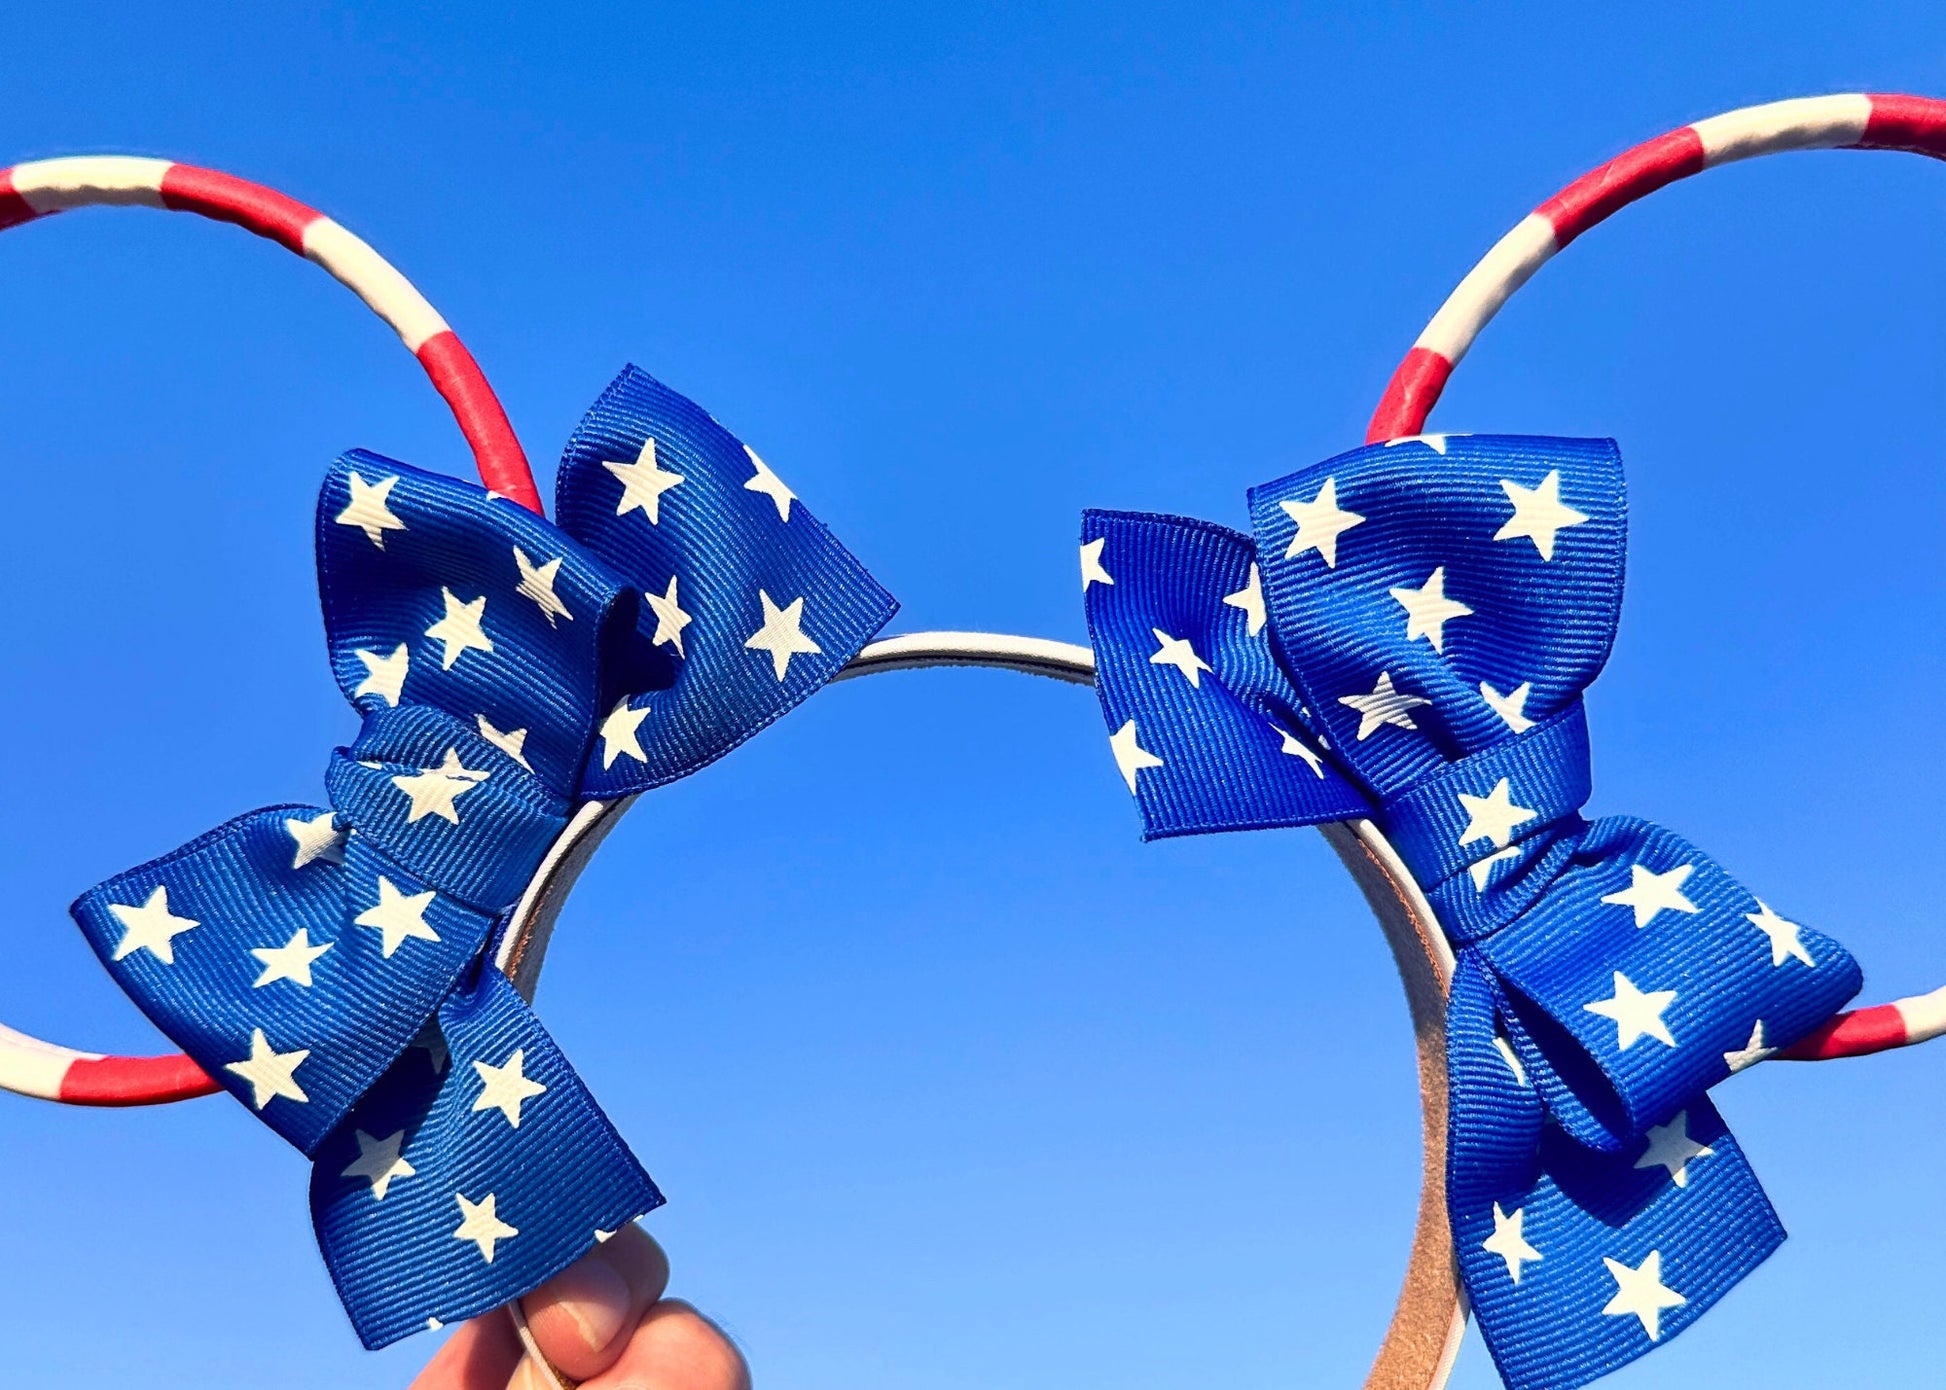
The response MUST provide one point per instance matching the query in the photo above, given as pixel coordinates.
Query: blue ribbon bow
(330, 966)
(1407, 639)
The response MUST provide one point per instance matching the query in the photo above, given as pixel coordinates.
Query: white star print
(1319, 524)
(384, 675)
(670, 620)
(770, 485)
(1784, 942)
(434, 789)
(620, 733)
(643, 483)
(1509, 1240)
(1091, 569)
(1176, 652)
(1671, 1147)
(460, 628)
(379, 1161)
(1649, 892)
(1641, 1291)
(482, 1225)
(368, 510)
(537, 583)
(316, 838)
(270, 1073)
(291, 961)
(1428, 610)
(512, 742)
(1385, 705)
(1751, 1053)
(1435, 442)
(150, 927)
(1130, 756)
(1636, 1014)
(398, 916)
(1511, 707)
(1298, 749)
(1511, 1058)
(1481, 870)
(504, 1087)
(1493, 816)
(1250, 598)
(782, 634)
(1538, 513)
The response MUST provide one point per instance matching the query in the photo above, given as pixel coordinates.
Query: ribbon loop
(1209, 733)
(1646, 974)
(506, 669)
(1442, 595)
(293, 962)
(722, 651)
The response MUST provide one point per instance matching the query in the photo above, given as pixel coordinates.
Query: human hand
(604, 1324)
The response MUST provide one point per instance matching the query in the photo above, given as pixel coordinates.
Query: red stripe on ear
(1855, 1034)
(13, 208)
(1409, 396)
(1917, 124)
(1619, 182)
(135, 1081)
(503, 463)
(227, 198)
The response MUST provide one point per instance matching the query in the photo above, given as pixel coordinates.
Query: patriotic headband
(1404, 639)
(1424, 1336)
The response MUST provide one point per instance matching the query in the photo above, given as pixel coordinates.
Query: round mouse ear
(30, 192)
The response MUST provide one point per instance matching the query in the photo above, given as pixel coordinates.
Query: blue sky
(951, 1082)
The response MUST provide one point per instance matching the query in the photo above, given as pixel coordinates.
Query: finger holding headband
(1406, 636)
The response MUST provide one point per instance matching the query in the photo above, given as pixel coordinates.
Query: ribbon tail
(750, 604)
(475, 1170)
(1578, 1262)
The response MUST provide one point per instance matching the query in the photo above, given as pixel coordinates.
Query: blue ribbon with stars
(331, 967)
(1407, 638)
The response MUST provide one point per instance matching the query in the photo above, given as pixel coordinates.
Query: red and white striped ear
(48, 186)
(1853, 121)
(29, 192)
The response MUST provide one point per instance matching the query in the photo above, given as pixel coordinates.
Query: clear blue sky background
(952, 1083)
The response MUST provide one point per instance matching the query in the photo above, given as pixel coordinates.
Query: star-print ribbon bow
(329, 966)
(1407, 639)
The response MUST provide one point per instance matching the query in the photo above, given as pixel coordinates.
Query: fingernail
(590, 1298)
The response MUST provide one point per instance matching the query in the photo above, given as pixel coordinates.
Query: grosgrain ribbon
(330, 966)
(1407, 638)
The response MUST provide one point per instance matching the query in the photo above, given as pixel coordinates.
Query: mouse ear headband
(343, 969)
(1404, 639)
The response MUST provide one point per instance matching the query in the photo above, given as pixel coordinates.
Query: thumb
(582, 1319)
